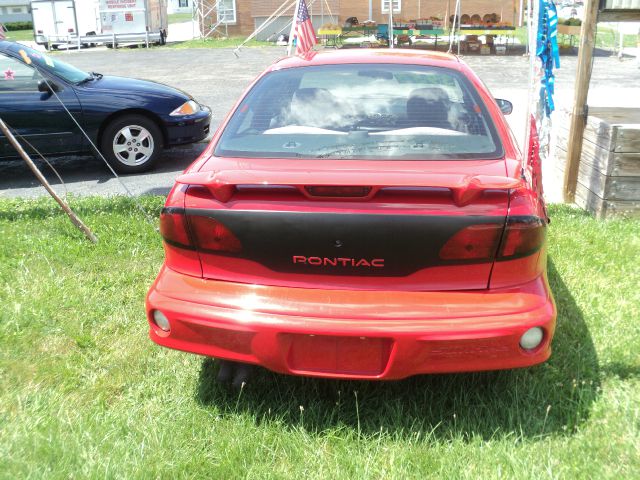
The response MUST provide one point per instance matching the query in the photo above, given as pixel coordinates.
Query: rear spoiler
(465, 188)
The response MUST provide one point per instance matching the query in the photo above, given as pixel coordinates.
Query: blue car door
(38, 117)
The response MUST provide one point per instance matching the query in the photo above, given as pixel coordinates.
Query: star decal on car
(9, 74)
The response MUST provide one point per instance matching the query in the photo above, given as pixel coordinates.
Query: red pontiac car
(360, 214)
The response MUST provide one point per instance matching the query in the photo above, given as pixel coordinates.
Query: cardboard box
(569, 29)
(473, 46)
(485, 50)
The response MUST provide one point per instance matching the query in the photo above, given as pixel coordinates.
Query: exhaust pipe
(236, 373)
(242, 374)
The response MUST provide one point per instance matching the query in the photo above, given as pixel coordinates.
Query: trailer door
(65, 16)
(87, 17)
(44, 23)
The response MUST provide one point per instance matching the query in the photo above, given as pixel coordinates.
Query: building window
(397, 6)
(227, 11)
(183, 3)
(18, 10)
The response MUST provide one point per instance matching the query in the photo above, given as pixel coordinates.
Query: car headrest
(430, 94)
(428, 106)
(314, 95)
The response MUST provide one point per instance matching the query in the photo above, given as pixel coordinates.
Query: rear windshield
(403, 112)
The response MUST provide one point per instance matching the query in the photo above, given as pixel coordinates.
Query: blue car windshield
(363, 111)
(52, 65)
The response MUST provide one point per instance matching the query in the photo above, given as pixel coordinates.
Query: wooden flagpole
(25, 156)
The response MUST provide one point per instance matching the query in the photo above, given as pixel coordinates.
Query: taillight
(476, 242)
(523, 236)
(173, 228)
(212, 236)
(197, 232)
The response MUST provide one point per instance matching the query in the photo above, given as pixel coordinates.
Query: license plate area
(362, 356)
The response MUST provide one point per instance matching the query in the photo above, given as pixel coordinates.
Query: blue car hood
(134, 87)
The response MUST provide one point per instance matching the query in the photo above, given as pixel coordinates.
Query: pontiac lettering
(338, 262)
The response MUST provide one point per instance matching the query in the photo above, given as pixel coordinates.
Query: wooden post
(579, 111)
(521, 13)
(74, 219)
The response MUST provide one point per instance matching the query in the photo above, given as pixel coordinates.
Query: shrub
(13, 26)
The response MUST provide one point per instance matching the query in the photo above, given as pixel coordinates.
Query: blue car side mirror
(47, 86)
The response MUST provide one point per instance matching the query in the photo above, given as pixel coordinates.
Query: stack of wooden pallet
(609, 175)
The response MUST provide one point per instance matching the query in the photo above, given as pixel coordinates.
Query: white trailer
(56, 21)
(134, 20)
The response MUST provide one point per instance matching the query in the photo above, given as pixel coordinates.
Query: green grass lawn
(607, 37)
(230, 42)
(85, 394)
(20, 35)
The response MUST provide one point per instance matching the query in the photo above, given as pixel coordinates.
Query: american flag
(305, 35)
(2, 35)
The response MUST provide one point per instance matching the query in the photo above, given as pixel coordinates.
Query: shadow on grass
(554, 397)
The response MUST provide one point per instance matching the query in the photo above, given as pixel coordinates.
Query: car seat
(428, 107)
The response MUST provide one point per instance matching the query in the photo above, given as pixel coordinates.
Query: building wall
(244, 19)
(283, 25)
(15, 11)
(250, 13)
(416, 9)
(264, 8)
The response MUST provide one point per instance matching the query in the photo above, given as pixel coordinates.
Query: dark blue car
(129, 120)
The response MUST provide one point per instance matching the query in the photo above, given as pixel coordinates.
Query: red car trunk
(350, 224)
(358, 215)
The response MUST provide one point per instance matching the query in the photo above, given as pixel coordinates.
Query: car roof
(8, 46)
(371, 56)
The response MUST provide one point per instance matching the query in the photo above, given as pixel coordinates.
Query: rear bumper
(352, 334)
